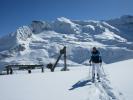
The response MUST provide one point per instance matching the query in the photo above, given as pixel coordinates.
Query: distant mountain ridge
(40, 42)
(125, 25)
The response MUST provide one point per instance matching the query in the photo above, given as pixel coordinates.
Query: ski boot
(93, 78)
(98, 78)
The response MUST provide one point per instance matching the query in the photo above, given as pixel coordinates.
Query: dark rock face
(39, 26)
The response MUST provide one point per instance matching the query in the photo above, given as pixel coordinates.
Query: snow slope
(120, 74)
(71, 85)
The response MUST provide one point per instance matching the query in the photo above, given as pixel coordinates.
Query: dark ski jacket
(95, 57)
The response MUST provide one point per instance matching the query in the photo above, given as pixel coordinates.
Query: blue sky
(16, 13)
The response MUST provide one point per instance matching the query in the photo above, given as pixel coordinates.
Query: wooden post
(29, 71)
(11, 70)
(42, 69)
(52, 70)
(7, 70)
(65, 66)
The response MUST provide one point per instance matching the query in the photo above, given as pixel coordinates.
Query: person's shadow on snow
(80, 84)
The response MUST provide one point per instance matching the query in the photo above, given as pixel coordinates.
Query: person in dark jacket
(96, 61)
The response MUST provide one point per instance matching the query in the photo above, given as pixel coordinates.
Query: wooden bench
(10, 68)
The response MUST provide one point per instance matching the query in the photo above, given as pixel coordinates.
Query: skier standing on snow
(96, 61)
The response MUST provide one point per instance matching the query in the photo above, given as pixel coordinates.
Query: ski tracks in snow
(103, 91)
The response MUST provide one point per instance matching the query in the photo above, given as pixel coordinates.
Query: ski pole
(90, 70)
(102, 69)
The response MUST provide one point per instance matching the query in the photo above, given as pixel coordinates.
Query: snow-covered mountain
(40, 42)
(125, 25)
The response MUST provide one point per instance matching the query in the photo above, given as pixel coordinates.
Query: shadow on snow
(80, 84)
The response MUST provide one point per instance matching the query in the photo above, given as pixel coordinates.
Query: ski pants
(96, 70)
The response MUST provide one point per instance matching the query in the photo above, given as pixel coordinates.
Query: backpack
(95, 57)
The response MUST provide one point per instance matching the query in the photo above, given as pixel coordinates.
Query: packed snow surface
(120, 74)
(69, 85)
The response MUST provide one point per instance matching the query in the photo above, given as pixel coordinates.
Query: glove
(90, 63)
